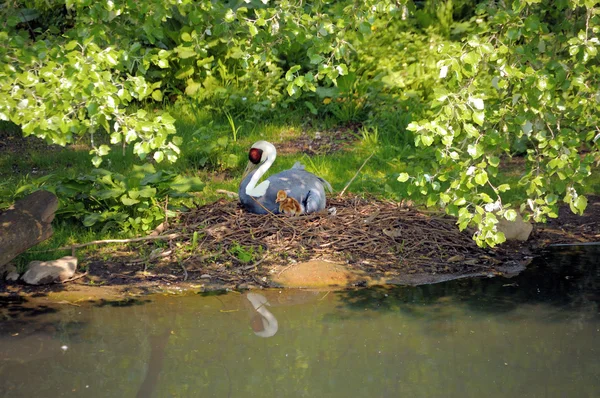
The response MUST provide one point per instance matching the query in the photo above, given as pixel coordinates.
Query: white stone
(11, 273)
(515, 230)
(43, 272)
(12, 276)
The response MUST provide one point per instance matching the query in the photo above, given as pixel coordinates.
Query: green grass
(192, 125)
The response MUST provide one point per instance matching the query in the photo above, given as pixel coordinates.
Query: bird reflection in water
(264, 323)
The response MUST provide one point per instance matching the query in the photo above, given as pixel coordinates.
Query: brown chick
(288, 206)
(281, 196)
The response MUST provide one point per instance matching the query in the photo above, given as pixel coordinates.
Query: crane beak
(250, 167)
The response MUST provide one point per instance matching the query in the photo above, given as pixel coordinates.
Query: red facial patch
(255, 155)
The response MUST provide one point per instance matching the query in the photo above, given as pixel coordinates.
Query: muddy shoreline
(293, 259)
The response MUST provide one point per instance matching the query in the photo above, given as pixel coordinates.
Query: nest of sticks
(380, 237)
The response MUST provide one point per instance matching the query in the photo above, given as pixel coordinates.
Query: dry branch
(106, 241)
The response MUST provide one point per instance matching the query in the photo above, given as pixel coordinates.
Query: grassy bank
(332, 149)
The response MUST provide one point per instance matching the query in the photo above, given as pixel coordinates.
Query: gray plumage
(305, 187)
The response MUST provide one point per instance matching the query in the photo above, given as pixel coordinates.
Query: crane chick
(288, 206)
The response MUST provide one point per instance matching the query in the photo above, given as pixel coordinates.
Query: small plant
(194, 241)
(234, 129)
(243, 254)
(369, 136)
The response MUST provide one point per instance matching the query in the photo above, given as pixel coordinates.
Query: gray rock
(12, 276)
(515, 230)
(11, 273)
(43, 272)
(26, 223)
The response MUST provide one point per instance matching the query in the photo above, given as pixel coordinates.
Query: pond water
(534, 335)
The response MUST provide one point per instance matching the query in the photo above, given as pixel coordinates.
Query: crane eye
(255, 155)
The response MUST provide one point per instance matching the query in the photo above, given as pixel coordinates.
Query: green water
(535, 335)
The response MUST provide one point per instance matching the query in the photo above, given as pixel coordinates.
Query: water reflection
(533, 335)
(264, 323)
(565, 277)
(158, 344)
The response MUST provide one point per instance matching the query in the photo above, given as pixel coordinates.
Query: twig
(152, 257)
(166, 212)
(74, 278)
(256, 263)
(68, 303)
(355, 175)
(285, 269)
(329, 291)
(228, 193)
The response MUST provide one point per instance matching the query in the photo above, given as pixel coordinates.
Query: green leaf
(27, 14)
(364, 28)
(192, 87)
(91, 219)
(470, 130)
(185, 52)
(494, 161)
(152, 178)
(478, 117)
(510, 215)
(471, 58)
(103, 150)
(157, 95)
(477, 103)
(427, 140)
(403, 177)
(108, 193)
(475, 151)
(315, 58)
(253, 29)
(579, 205)
(291, 89)
(481, 177)
(229, 16)
(311, 107)
(71, 45)
(185, 72)
(499, 238)
(147, 192)
(127, 201)
(342, 69)
(551, 199)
